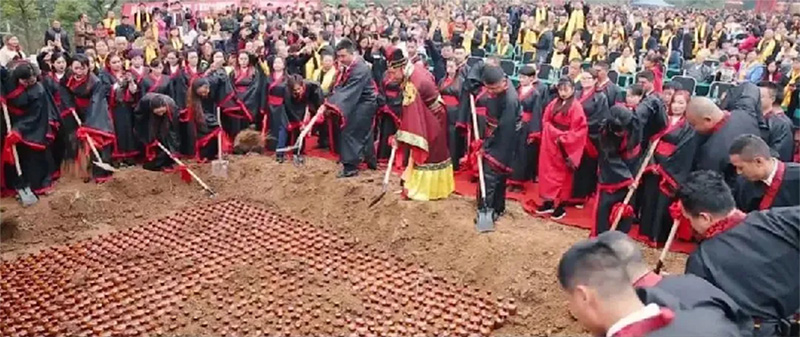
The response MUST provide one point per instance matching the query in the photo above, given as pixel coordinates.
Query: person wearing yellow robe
(468, 35)
(599, 38)
(527, 38)
(700, 33)
(789, 82)
(503, 48)
(142, 18)
(325, 75)
(111, 22)
(316, 59)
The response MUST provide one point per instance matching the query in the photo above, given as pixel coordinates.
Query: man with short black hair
(651, 111)
(498, 144)
(690, 290)
(603, 300)
(779, 126)
(354, 101)
(754, 258)
(612, 90)
(764, 182)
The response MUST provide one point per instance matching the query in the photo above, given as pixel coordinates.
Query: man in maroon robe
(423, 129)
(564, 134)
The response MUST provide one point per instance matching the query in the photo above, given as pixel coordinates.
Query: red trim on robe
(646, 326)
(772, 189)
(650, 279)
(725, 224)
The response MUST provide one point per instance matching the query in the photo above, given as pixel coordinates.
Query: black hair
(528, 70)
(82, 59)
(492, 74)
(706, 191)
(636, 90)
(593, 263)
(602, 64)
(293, 80)
(673, 85)
(156, 62)
(647, 74)
(447, 44)
(591, 72)
(346, 44)
(565, 81)
(772, 88)
(750, 147)
(22, 71)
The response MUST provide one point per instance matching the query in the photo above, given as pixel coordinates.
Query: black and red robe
(180, 86)
(276, 119)
(57, 87)
(782, 191)
(221, 96)
(387, 119)
(34, 124)
(525, 165)
(595, 107)
(121, 102)
(249, 89)
(450, 89)
(90, 96)
(155, 129)
(296, 107)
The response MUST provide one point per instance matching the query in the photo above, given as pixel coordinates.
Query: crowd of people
(588, 101)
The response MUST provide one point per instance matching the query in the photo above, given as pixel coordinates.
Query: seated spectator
(773, 73)
(727, 69)
(752, 70)
(625, 64)
(786, 55)
(697, 68)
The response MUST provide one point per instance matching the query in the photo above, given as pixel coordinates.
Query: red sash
(646, 326)
(772, 189)
(725, 224)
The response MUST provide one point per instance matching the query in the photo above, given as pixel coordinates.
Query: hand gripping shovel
(485, 221)
(636, 181)
(191, 173)
(26, 196)
(385, 177)
(298, 145)
(665, 250)
(219, 167)
(99, 162)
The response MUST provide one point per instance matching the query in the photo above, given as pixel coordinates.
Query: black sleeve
(782, 141)
(696, 266)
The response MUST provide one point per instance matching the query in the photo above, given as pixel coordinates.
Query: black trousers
(605, 201)
(495, 189)
(37, 169)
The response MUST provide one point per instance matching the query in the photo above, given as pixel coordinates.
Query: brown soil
(518, 260)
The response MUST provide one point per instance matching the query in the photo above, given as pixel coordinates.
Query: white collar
(651, 310)
(772, 172)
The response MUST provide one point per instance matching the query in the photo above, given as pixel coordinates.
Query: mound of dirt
(518, 260)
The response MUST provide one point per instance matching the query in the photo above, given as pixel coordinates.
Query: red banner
(214, 5)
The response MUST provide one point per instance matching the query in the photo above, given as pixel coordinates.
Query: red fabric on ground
(581, 218)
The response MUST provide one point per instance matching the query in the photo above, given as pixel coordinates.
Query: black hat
(397, 59)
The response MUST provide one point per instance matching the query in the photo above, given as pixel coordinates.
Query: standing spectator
(175, 16)
(83, 33)
(10, 51)
(142, 18)
(57, 36)
(110, 22)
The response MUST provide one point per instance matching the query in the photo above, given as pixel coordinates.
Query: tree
(24, 15)
(99, 8)
(68, 12)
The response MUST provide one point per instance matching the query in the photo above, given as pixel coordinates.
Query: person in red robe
(423, 129)
(564, 133)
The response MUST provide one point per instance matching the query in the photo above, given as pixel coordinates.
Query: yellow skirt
(428, 181)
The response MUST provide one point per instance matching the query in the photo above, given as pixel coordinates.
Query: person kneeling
(157, 123)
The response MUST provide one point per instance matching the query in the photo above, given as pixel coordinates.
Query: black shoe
(545, 208)
(280, 158)
(347, 174)
(559, 213)
(372, 163)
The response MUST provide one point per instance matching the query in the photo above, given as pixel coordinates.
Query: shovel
(636, 181)
(99, 162)
(219, 167)
(191, 173)
(306, 129)
(485, 221)
(26, 196)
(298, 159)
(385, 178)
(667, 245)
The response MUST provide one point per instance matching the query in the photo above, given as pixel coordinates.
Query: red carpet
(581, 218)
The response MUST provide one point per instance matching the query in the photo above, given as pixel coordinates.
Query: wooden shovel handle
(636, 180)
(667, 245)
(14, 147)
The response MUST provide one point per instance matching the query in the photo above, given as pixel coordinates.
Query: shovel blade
(219, 168)
(27, 197)
(378, 198)
(298, 160)
(105, 166)
(286, 149)
(485, 221)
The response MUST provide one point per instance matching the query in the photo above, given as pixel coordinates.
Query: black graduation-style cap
(397, 59)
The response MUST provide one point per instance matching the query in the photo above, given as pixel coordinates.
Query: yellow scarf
(110, 24)
(644, 43)
(139, 23)
(467, 43)
(502, 48)
(576, 21)
(766, 51)
(528, 41)
(150, 53)
(177, 44)
(574, 53)
(315, 62)
(597, 40)
(787, 90)
(557, 61)
(666, 41)
(540, 15)
(700, 37)
(326, 79)
(484, 37)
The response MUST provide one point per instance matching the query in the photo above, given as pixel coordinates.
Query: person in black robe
(764, 182)
(612, 91)
(718, 129)
(780, 135)
(618, 150)
(595, 107)
(302, 97)
(388, 116)
(754, 258)
(532, 98)
(651, 113)
(206, 95)
(90, 96)
(55, 83)
(603, 300)
(249, 83)
(690, 290)
(160, 116)
(276, 121)
(155, 80)
(180, 90)
(354, 100)
(121, 102)
(34, 123)
(746, 98)
(671, 164)
(450, 89)
(498, 146)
